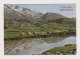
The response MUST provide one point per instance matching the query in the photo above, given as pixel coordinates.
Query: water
(36, 45)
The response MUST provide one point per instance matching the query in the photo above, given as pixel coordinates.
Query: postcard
(40, 29)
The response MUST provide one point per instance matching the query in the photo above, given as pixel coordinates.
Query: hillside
(13, 12)
(18, 19)
(52, 16)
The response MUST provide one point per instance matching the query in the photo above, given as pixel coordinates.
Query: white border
(2, 56)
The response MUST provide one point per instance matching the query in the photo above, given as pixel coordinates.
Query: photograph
(40, 29)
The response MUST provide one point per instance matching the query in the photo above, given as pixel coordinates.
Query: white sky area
(68, 10)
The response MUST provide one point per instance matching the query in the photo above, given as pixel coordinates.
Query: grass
(8, 35)
(59, 49)
(13, 30)
(15, 34)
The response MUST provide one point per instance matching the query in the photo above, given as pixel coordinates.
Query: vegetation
(13, 28)
(69, 49)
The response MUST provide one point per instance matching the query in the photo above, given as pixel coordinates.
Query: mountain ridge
(16, 12)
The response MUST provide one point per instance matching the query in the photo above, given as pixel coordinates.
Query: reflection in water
(50, 40)
(33, 45)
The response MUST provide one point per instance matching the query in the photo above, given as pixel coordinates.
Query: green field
(12, 30)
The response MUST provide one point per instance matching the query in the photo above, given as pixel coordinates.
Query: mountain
(53, 16)
(20, 13)
(20, 18)
(13, 12)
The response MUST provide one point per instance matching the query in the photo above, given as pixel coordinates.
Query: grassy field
(13, 29)
(68, 49)
(16, 34)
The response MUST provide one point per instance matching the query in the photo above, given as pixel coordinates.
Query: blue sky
(68, 10)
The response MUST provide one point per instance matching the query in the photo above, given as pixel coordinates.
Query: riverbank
(69, 49)
(37, 36)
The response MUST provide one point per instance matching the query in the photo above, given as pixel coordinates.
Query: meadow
(13, 30)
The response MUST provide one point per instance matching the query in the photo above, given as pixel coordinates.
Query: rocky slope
(20, 13)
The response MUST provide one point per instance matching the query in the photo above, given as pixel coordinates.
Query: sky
(68, 10)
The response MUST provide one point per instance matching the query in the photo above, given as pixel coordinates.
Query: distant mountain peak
(50, 15)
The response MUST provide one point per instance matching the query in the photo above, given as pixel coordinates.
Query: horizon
(67, 10)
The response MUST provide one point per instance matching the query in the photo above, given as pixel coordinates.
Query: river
(29, 46)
